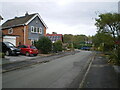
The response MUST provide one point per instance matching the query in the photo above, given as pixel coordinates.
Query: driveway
(11, 59)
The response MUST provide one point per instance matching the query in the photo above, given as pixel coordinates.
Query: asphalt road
(64, 72)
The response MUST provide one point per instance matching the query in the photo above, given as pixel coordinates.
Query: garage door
(11, 39)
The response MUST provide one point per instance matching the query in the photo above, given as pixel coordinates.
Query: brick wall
(19, 31)
(44, 31)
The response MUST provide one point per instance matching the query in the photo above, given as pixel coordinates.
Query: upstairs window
(40, 30)
(10, 31)
(35, 30)
(32, 29)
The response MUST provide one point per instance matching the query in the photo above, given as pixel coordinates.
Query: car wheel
(35, 54)
(27, 54)
(7, 53)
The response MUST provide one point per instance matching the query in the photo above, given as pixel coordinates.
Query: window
(40, 30)
(32, 42)
(10, 31)
(9, 44)
(32, 29)
(33, 47)
(36, 22)
(35, 30)
(22, 46)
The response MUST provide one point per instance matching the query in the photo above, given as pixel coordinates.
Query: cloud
(72, 17)
(59, 1)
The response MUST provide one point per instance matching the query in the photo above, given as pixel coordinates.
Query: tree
(110, 23)
(44, 44)
(68, 38)
(104, 40)
(57, 46)
(79, 40)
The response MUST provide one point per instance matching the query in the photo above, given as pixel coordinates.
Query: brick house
(55, 37)
(24, 30)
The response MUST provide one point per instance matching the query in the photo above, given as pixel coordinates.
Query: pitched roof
(53, 34)
(18, 21)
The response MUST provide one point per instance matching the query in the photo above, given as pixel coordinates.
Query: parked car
(85, 48)
(9, 49)
(28, 50)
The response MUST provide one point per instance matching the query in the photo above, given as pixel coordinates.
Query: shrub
(114, 58)
(44, 44)
(57, 46)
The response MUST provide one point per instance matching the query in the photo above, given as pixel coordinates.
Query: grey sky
(72, 17)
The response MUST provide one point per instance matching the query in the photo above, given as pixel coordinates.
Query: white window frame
(10, 31)
(40, 30)
(36, 30)
(32, 29)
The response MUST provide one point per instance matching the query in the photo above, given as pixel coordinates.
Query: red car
(28, 50)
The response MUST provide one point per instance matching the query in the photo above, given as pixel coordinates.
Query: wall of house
(36, 36)
(19, 32)
(28, 41)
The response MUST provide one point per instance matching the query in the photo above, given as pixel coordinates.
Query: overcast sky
(61, 16)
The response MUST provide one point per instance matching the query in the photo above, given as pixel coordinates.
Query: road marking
(83, 80)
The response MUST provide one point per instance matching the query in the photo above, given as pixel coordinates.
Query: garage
(11, 39)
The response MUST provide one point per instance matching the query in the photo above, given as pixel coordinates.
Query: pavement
(100, 74)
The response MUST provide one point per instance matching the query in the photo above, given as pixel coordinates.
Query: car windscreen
(9, 44)
(33, 47)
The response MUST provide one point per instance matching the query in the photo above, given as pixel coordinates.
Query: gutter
(24, 34)
(12, 26)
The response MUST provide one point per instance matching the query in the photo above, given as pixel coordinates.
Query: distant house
(24, 30)
(55, 37)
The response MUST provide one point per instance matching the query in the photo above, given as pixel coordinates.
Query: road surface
(64, 72)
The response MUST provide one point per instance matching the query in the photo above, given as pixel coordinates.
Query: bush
(114, 58)
(44, 44)
(57, 46)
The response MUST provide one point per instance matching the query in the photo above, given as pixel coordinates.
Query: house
(24, 30)
(55, 37)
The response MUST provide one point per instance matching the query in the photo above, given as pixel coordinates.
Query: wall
(35, 36)
(19, 33)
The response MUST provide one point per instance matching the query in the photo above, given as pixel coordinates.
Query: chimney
(16, 17)
(54, 33)
(26, 14)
